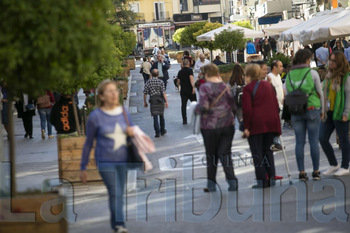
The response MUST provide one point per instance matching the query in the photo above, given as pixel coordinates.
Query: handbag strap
(219, 97)
(126, 117)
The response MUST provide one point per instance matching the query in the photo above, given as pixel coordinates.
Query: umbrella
(278, 28)
(294, 33)
(248, 33)
(336, 26)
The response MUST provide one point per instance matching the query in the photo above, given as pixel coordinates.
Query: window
(208, 2)
(135, 7)
(232, 7)
(159, 11)
(183, 5)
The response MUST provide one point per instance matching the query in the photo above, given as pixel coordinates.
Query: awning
(270, 19)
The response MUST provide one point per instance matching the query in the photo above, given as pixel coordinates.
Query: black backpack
(296, 100)
(239, 95)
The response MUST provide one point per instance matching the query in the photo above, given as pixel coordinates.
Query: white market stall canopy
(248, 33)
(303, 32)
(280, 27)
(336, 26)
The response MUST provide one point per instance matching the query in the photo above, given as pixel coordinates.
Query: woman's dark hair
(237, 75)
(302, 56)
(186, 53)
(144, 59)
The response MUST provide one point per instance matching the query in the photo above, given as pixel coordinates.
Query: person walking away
(187, 90)
(336, 89)
(218, 61)
(155, 51)
(261, 124)
(44, 105)
(307, 80)
(216, 106)
(322, 54)
(62, 116)
(251, 48)
(275, 79)
(201, 62)
(162, 69)
(158, 99)
(26, 110)
(266, 49)
(188, 57)
(146, 67)
(237, 84)
(4, 104)
(347, 54)
(107, 126)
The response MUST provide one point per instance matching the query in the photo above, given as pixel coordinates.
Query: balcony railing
(161, 15)
(140, 17)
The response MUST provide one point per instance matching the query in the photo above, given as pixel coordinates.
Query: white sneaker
(342, 172)
(331, 170)
(121, 229)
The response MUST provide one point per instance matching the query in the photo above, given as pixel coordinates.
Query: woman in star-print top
(106, 125)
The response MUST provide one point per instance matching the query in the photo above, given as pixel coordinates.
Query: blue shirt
(102, 127)
(251, 48)
(347, 53)
(322, 53)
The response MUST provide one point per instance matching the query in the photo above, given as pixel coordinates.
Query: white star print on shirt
(118, 136)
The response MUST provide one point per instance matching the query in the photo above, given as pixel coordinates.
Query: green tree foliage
(187, 36)
(47, 43)
(230, 41)
(178, 34)
(244, 23)
(123, 16)
(285, 59)
(206, 28)
(124, 41)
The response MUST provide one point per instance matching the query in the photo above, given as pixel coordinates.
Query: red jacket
(261, 114)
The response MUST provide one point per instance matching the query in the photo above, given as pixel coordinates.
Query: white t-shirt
(276, 82)
(199, 64)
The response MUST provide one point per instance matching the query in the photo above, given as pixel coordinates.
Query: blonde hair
(101, 88)
(211, 70)
(253, 71)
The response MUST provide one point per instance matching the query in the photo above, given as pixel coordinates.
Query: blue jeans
(342, 129)
(44, 114)
(156, 124)
(310, 122)
(114, 177)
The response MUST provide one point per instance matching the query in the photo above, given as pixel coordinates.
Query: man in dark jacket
(62, 116)
(162, 69)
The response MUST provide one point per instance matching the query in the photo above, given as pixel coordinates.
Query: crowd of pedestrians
(253, 96)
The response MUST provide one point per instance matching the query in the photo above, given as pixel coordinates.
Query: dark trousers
(218, 144)
(27, 119)
(156, 124)
(145, 77)
(342, 129)
(184, 98)
(164, 80)
(263, 159)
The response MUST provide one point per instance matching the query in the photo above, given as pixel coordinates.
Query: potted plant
(226, 71)
(179, 56)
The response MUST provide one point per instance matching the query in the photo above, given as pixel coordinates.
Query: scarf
(334, 83)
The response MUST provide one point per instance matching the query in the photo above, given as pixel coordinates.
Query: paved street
(167, 189)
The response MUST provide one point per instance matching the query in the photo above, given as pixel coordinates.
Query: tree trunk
(12, 148)
(2, 158)
(76, 116)
(211, 55)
